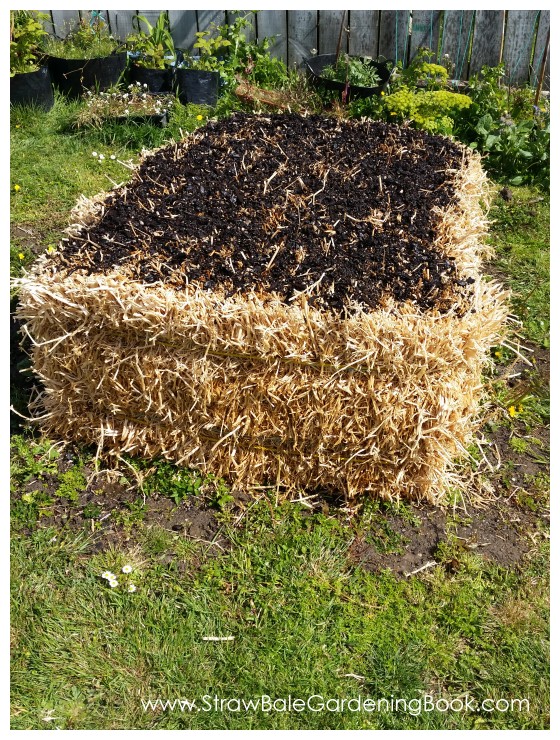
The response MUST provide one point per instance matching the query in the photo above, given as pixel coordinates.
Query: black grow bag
(32, 88)
(74, 76)
(197, 86)
(157, 80)
(315, 65)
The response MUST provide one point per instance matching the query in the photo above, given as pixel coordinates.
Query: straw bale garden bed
(279, 300)
(289, 373)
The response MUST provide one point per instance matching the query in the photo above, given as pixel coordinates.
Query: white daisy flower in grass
(107, 575)
(113, 583)
(127, 569)
(131, 588)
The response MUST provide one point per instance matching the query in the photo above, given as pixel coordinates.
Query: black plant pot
(74, 76)
(32, 88)
(315, 65)
(157, 80)
(197, 86)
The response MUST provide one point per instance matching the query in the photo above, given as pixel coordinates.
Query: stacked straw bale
(261, 391)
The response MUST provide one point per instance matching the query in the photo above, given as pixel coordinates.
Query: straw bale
(257, 390)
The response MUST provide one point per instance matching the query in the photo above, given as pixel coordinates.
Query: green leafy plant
(220, 496)
(225, 48)
(26, 35)
(211, 46)
(89, 40)
(422, 72)
(518, 153)
(354, 70)
(432, 110)
(254, 62)
(156, 47)
(72, 483)
(91, 511)
(172, 481)
(131, 516)
(32, 459)
(507, 127)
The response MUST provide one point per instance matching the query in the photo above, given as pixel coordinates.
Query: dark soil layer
(282, 203)
(502, 534)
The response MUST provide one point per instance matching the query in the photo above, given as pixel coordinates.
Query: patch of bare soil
(112, 513)
(501, 535)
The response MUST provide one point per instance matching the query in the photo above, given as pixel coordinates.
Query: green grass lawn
(280, 578)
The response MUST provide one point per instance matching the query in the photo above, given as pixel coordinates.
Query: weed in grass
(220, 496)
(518, 444)
(172, 481)
(535, 493)
(27, 510)
(91, 511)
(72, 483)
(528, 402)
(32, 459)
(384, 538)
(157, 540)
(131, 516)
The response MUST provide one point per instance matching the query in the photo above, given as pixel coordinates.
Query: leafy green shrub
(87, 41)
(225, 49)
(431, 110)
(506, 126)
(156, 47)
(353, 70)
(501, 123)
(516, 152)
(26, 35)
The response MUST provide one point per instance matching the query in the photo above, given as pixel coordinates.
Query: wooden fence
(465, 39)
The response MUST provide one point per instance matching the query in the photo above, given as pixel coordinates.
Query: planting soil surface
(342, 210)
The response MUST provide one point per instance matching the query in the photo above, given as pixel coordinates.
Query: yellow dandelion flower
(199, 117)
(17, 188)
(21, 255)
(512, 411)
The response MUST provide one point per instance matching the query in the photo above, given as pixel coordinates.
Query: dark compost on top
(281, 203)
